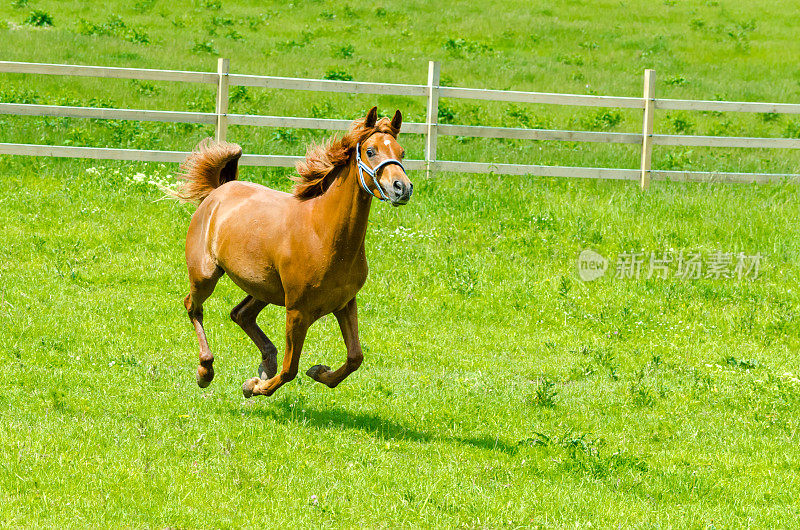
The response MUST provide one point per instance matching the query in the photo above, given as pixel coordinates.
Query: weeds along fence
(431, 129)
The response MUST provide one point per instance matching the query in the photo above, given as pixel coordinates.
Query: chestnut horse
(304, 250)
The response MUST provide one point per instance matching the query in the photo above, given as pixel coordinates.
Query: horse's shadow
(373, 424)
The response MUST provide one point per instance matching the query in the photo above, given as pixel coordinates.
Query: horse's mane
(317, 170)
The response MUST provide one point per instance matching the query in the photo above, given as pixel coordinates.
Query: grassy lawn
(497, 388)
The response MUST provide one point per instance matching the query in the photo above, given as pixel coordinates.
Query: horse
(302, 250)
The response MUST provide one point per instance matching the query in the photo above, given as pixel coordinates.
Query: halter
(372, 172)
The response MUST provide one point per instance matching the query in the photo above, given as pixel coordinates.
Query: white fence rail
(432, 92)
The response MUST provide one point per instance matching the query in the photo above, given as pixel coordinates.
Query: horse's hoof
(204, 376)
(249, 386)
(318, 369)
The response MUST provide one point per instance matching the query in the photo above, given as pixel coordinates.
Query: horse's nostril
(398, 186)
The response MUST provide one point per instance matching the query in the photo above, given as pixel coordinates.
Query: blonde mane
(316, 172)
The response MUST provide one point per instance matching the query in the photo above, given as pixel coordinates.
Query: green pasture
(498, 389)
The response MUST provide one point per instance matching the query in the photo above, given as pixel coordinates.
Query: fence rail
(727, 106)
(541, 97)
(431, 129)
(12, 67)
(24, 109)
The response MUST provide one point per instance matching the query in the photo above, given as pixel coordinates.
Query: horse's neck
(345, 211)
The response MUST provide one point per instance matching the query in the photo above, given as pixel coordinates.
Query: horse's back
(236, 201)
(241, 190)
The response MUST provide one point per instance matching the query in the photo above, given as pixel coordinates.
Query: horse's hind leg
(199, 290)
(245, 315)
(297, 323)
(348, 323)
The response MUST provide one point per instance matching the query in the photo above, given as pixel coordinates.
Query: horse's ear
(372, 117)
(397, 121)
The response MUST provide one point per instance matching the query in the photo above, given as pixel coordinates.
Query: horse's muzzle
(401, 192)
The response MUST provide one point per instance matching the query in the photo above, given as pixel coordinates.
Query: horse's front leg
(348, 323)
(297, 324)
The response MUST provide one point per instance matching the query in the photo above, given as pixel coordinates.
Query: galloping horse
(303, 250)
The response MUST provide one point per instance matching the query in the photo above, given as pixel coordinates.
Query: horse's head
(380, 156)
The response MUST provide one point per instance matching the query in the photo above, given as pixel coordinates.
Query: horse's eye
(370, 152)
(403, 154)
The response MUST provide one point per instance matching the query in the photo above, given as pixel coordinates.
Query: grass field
(498, 390)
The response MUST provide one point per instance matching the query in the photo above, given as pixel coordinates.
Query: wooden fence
(432, 92)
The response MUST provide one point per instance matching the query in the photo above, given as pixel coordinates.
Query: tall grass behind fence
(431, 129)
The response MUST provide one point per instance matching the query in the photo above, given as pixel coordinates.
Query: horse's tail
(210, 165)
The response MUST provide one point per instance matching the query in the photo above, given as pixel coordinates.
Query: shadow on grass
(373, 424)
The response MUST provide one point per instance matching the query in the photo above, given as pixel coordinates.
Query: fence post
(223, 68)
(432, 118)
(647, 126)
